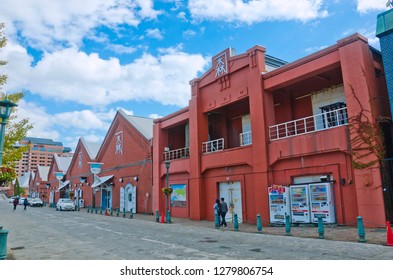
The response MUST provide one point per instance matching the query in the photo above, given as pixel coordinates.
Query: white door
(231, 192)
(122, 199)
(130, 197)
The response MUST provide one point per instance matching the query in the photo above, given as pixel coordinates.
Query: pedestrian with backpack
(217, 211)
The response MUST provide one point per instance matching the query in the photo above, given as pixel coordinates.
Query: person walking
(15, 202)
(25, 203)
(224, 210)
(217, 212)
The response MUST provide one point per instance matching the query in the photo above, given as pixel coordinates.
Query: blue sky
(79, 61)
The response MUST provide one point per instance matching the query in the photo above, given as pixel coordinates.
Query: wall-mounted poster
(178, 196)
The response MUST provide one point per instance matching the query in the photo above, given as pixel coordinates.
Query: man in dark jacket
(224, 210)
(25, 203)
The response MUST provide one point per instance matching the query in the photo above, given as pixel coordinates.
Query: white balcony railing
(310, 124)
(245, 138)
(178, 153)
(213, 146)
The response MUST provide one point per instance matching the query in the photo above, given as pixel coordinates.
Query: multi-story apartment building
(40, 152)
(248, 128)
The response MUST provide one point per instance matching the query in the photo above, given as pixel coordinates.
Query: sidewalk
(331, 232)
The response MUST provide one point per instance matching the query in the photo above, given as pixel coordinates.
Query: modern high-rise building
(40, 152)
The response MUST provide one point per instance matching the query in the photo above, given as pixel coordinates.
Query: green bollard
(111, 212)
(100, 210)
(168, 217)
(117, 212)
(131, 214)
(216, 221)
(235, 222)
(124, 212)
(361, 231)
(3, 244)
(96, 210)
(321, 229)
(157, 216)
(92, 210)
(88, 209)
(287, 226)
(259, 223)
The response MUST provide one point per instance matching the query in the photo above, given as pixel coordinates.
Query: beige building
(41, 151)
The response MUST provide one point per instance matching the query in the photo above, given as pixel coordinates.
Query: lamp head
(5, 108)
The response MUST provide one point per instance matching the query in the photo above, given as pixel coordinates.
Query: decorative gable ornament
(119, 143)
(80, 160)
(221, 65)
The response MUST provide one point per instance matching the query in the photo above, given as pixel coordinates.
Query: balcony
(309, 124)
(176, 154)
(213, 146)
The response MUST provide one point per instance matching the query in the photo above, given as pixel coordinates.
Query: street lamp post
(5, 112)
(168, 213)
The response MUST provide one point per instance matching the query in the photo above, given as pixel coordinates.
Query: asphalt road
(47, 234)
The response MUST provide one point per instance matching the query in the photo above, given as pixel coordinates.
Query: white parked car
(22, 200)
(65, 204)
(12, 198)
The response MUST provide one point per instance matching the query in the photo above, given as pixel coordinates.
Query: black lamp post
(5, 112)
(168, 213)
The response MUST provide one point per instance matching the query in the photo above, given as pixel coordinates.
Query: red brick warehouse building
(79, 171)
(125, 180)
(254, 121)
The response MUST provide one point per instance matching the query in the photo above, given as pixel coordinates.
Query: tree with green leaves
(16, 128)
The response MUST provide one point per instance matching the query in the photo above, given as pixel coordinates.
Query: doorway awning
(63, 184)
(101, 180)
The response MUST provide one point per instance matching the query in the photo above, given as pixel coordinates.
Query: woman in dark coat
(15, 202)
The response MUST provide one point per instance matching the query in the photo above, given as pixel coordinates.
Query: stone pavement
(337, 233)
(332, 232)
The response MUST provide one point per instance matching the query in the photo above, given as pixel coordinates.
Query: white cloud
(252, 11)
(182, 16)
(364, 6)
(44, 24)
(154, 33)
(72, 75)
(155, 116)
(39, 118)
(120, 49)
(91, 125)
(315, 49)
(84, 119)
(189, 33)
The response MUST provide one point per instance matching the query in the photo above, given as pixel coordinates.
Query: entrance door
(106, 198)
(130, 197)
(231, 192)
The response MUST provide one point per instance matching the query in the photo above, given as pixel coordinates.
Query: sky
(78, 62)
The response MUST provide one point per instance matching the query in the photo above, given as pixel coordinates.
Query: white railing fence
(310, 124)
(178, 153)
(213, 146)
(245, 138)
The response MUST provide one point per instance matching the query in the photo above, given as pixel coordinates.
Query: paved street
(46, 234)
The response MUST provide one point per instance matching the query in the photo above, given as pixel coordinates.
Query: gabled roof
(24, 180)
(142, 124)
(92, 148)
(43, 171)
(62, 162)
